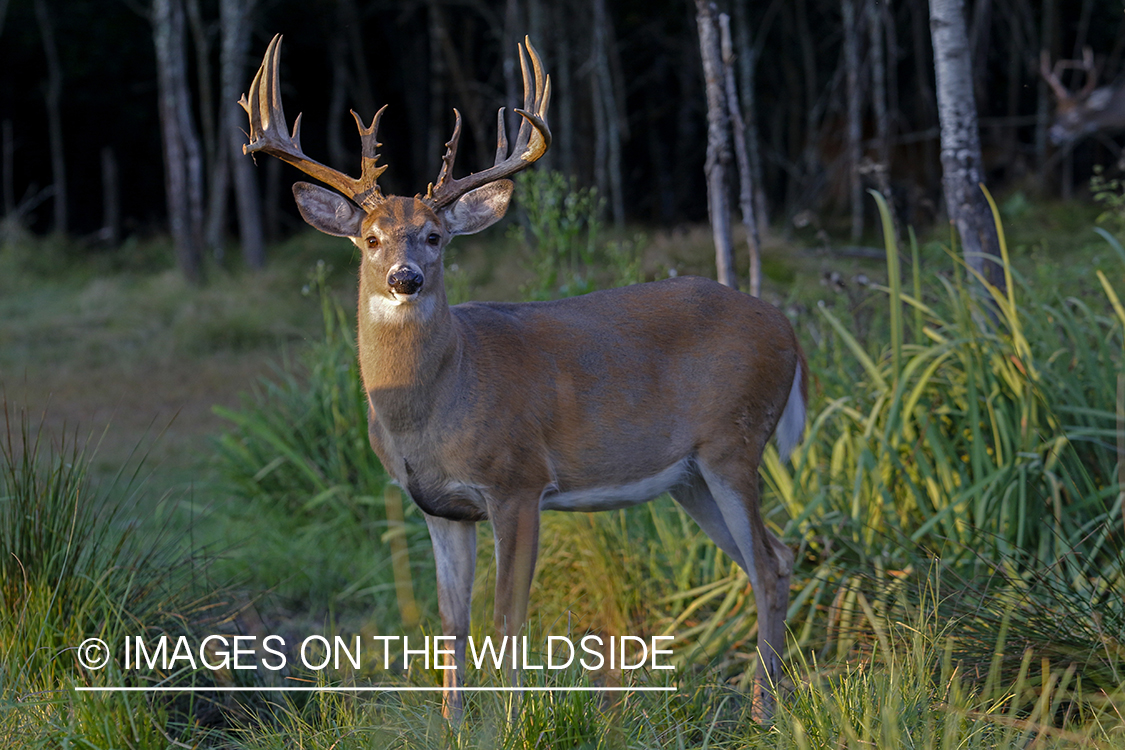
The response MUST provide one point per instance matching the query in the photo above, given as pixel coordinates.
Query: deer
(1093, 108)
(497, 411)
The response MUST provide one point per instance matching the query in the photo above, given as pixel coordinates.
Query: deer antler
(531, 143)
(269, 134)
(1051, 76)
(1091, 71)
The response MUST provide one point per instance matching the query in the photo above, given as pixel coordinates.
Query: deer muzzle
(405, 280)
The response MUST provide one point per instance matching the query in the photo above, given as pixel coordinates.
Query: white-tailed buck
(497, 412)
(1092, 109)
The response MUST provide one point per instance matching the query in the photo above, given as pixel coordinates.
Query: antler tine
(501, 137)
(532, 141)
(269, 134)
(1050, 75)
(1091, 71)
(447, 160)
(536, 99)
(542, 82)
(369, 158)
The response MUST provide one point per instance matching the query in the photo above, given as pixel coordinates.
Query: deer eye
(373, 242)
(434, 238)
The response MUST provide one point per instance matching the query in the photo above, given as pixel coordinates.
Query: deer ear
(478, 209)
(327, 211)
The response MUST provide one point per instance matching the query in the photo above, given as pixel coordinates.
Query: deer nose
(405, 280)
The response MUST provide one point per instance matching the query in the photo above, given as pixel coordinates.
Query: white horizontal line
(305, 689)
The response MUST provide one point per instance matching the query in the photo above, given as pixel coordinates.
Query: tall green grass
(300, 439)
(74, 566)
(981, 433)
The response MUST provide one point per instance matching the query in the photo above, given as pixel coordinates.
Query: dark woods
(837, 95)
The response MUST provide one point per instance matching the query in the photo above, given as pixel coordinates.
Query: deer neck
(406, 354)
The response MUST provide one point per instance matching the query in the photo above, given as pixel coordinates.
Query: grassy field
(182, 461)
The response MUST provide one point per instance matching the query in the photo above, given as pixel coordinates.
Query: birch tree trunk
(54, 115)
(235, 19)
(182, 159)
(718, 148)
(960, 140)
(745, 178)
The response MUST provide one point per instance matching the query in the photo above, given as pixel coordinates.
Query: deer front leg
(515, 524)
(455, 551)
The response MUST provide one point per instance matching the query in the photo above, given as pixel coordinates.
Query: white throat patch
(387, 310)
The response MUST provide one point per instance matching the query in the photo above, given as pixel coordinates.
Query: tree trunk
(924, 96)
(601, 137)
(271, 210)
(612, 120)
(718, 148)
(689, 131)
(745, 180)
(438, 125)
(855, 125)
(564, 95)
(54, 115)
(536, 23)
(661, 203)
(979, 32)
(111, 199)
(218, 190)
(363, 93)
(337, 103)
(882, 169)
(512, 79)
(960, 140)
(480, 117)
(894, 54)
(200, 37)
(8, 179)
(1043, 96)
(747, 58)
(235, 18)
(810, 156)
(216, 162)
(182, 168)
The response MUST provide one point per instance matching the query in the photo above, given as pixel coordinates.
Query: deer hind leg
(698, 502)
(515, 526)
(733, 484)
(455, 551)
